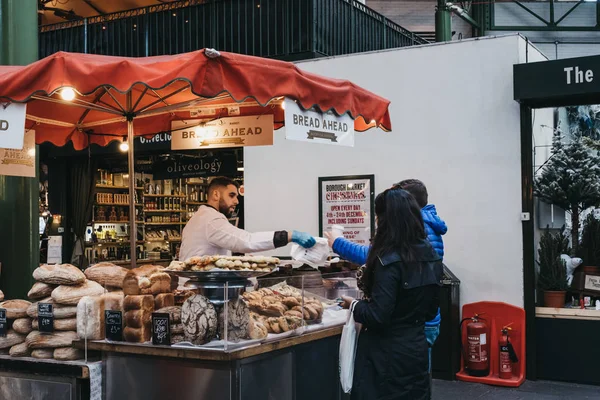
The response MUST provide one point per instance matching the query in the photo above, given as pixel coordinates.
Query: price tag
(3, 323)
(46, 317)
(161, 329)
(113, 325)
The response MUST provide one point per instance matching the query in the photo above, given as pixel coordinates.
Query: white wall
(455, 126)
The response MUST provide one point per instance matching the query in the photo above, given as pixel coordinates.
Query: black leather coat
(392, 358)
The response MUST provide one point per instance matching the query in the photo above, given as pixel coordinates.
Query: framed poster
(348, 201)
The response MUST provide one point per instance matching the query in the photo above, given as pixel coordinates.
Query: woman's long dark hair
(399, 228)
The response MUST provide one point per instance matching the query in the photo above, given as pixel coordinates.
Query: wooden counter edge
(567, 313)
(208, 355)
(85, 371)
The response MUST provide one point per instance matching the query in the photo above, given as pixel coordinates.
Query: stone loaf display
(22, 326)
(36, 340)
(40, 290)
(70, 295)
(44, 354)
(69, 324)
(199, 320)
(67, 354)
(147, 279)
(90, 318)
(12, 338)
(60, 274)
(60, 311)
(106, 274)
(20, 350)
(15, 309)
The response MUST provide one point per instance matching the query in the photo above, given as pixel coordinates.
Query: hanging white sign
(19, 162)
(316, 127)
(222, 132)
(12, 125)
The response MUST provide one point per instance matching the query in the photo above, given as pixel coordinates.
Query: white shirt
(210, 233)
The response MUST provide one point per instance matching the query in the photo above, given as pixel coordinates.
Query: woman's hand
(346, 302)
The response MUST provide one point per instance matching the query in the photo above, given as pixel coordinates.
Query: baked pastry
(90, 318)
(70, 295)
(139, 302)
(199, 320)
(20, 350)
(147, 279)
(177, 338)
(40, 290)
(138, 319)
(182, 295)
(59, 274)
(68, 354)
(114, 301)
(106, 274)
(15, 308)
(164, 300)
(37, 340)
(174, 313)
(12, 338)
(176, 329)
(69, 324)
(22, 326)
(137, 335)
(238, 318)
(45, 354)
(60, 311)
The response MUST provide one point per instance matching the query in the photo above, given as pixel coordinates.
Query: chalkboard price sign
(113, 324)
(46, 317)
(161, 330)
(3, 323)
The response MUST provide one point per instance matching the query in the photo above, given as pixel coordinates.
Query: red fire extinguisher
(476, 350)
(507, 354)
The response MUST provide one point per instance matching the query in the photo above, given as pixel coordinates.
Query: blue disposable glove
(303, 239)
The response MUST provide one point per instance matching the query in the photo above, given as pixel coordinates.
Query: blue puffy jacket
(435, 227)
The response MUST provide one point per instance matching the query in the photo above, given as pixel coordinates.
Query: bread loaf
(15, 308)
(90, 318)
(199, 320)
(40, 290)
(12, 338)
(106, 274)
(137, 335)
(182, 295)
(177, 338)
(238, 318)
(36, 340)
(176, 329)
(70, 295)
(45, 354)
(22, 326)
(142, 302)
(69, 324)
(65, 274)
(174, 313)
(113, 301)
(68, 354)
(59, 311)
(20, 350)
(138, 319)
(147, 279)
(164, 300)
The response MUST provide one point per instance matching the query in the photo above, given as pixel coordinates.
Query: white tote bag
(348, 345)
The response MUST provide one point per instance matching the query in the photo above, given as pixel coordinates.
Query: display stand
(497, 315)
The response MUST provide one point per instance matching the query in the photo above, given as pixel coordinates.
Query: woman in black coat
(401, 282)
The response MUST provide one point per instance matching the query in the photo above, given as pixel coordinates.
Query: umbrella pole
(131, 168)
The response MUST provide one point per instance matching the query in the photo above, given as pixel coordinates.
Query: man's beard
(224, 209)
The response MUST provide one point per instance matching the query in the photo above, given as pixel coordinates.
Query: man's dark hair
(417, 189)
(221, 181)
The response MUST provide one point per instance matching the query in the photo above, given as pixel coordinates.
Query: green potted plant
(552, 277)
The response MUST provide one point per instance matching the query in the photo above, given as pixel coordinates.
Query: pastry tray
(218, 275)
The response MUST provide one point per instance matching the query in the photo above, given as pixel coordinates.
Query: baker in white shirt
(209, 232)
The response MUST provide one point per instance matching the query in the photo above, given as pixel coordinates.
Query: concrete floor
(530, 390)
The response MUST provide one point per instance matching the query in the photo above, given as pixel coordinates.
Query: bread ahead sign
(12, 125)
(317, 127)
(222, 132)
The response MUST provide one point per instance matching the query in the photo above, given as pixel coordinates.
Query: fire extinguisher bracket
(493, 344)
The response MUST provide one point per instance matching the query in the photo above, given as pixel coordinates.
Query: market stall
(90, 99)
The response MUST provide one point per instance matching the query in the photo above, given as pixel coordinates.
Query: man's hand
(303, 239)
(346, 302)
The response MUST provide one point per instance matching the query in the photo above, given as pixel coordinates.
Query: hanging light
(31, 152)
(67, 94)
(124, 147)
(282, 105)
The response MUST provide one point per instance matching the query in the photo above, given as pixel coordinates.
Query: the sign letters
(579, 75)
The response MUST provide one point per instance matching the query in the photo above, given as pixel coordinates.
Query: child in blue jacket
(435, 227)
